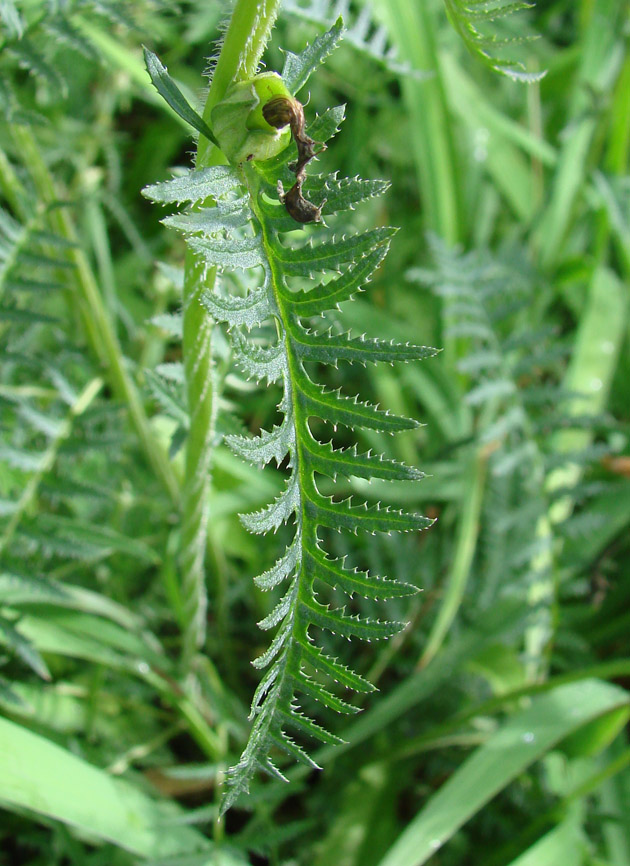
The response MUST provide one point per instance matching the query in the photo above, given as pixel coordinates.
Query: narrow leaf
(519, 742)
(337, 622)
(329, 295)
(332, 572)
(298, 67)
(349, 411)
(336, 670)
(194, 185)
(169, 91)
(42, 777)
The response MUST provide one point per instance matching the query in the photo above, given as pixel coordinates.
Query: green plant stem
(242, 48)
(98, 326)
(197, 355)
(465, 546)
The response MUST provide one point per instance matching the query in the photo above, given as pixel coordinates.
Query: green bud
(239, 124)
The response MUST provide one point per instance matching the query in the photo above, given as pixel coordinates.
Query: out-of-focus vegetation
(498, 735)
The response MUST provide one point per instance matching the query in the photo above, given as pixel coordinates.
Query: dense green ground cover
(127, 607)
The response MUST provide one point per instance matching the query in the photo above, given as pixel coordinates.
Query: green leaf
(521, 741)
(23, 648)
(332, 572)
(225, 217)
(194, 186)
(279, 612)
(284, 741)
(337, 671)
(314, 690)
(330, 254)
(11, 18)
(169, 395)
(269, 445)
(464, 15)
(80, 538)
(298, 67)
(277, 512)
(281, 569)
(20, 589)
(169, 91)
(375, 518)
(347, 461)
(305, 725)
(9, 697)
(350, 411)
(346, 625)
(228, 253)
(330, 348)
(327, 296)
(259, 362)
(234, 311)
(44, 778)
(26, 317)
(566, 843)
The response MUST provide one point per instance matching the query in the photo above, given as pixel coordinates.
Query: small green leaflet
(298, 67)
(169, 91)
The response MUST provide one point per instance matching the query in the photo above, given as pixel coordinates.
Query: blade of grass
(600, 59)
(521, 741)
(503, 159)
(464, 551)
(564, 844)
(43, 777)
(412, 27)
(614, 800)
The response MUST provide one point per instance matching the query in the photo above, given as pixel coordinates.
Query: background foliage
(499, 734)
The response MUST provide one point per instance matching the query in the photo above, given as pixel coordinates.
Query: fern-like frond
(512, 370)
(467, 15)
(363, 32)
(244, 231)
(36, 36)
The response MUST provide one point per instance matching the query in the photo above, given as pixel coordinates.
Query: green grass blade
(524, 739)
(41, 776)
(563, 844)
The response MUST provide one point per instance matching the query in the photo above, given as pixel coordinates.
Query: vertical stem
(98, 326)
(197, 356)
(465, 546)
(411, 24)
(242, 48)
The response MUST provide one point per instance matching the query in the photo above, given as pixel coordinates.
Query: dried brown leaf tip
(278, 112)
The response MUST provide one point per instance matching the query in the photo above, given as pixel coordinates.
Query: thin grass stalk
(412, 25)
(464, 551)
(98, 326)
